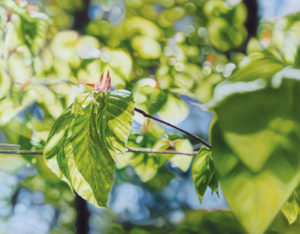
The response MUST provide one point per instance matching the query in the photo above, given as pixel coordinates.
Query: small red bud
(103, 84)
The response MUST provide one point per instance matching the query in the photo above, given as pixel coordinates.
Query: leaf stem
(172, 126)
(149, 151)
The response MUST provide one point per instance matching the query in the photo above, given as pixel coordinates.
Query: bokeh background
(138, 41)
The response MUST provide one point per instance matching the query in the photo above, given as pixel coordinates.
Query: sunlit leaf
(33, 26)
(48, 98)
(264, 67)
(146, 47)
(24, 72)
(183, 162)
(119, 63)
(64, 44)
(82, 143)
(138, 25)
(149, 97)
(115, 119)
(145, 165)
(175, 110)
(9, 108)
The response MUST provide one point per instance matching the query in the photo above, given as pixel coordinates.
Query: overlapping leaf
(33, 26)
(145, 165)
(264, 66)
(82, 143)
(256, 149)
(183, 162)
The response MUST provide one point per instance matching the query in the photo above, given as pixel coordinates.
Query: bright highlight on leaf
(82, 144)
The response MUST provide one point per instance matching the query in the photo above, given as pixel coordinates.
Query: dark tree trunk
(81, 17)
(83, 214)
(252, 19)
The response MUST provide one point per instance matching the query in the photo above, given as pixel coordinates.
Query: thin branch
(23, 152)
(9, 146)
(173, 126)
(142, 150)
(149, 151)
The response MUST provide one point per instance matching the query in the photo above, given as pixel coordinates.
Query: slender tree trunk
(83, 214)
(81, 17)
(252, 19)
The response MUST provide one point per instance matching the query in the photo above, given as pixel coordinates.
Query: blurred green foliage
(162, 51)
(208, 222)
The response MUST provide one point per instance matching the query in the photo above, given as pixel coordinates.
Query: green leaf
(157, 100)
(174, 110)
(263, 67)
(149, 98)
(84, 140)
(146, 47)
(33, 27)
(147, 165)
(120, 66)
(115, 119)
(254, 197)
(200, 171)
(183, 162)
(256, 149)
(9, 108)
(203, 172)
(291, 209)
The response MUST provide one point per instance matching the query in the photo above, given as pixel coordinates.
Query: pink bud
(104, 83)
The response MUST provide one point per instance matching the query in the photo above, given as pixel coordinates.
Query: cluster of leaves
(255, 129)
(280, 38)
(84, 140)
(181, 56)
(252, 161)
(153, 136)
